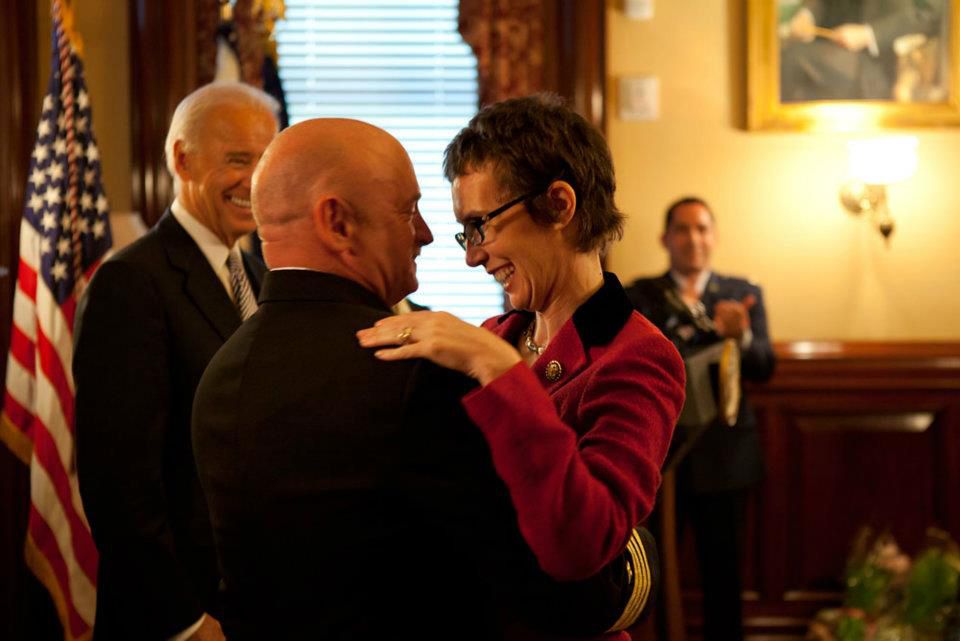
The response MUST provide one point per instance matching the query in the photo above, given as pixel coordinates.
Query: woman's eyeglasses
(472, 233)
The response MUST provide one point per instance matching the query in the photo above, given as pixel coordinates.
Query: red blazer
(580, 446)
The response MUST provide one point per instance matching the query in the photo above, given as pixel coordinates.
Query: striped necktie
(242, 293)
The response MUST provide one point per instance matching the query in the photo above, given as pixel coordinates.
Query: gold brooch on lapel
(554, 371)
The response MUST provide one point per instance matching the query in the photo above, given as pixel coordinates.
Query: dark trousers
(717, 523)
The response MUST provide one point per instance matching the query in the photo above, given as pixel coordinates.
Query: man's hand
(803, 26)
(209, 630)
(855, 37)
(732, 318)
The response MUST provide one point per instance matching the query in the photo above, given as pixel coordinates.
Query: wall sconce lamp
(874, 164)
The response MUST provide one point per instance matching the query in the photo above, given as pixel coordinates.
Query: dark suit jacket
(724, 458)
(151, 319)
(350, 497)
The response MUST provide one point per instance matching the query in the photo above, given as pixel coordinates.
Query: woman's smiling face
(520, 254)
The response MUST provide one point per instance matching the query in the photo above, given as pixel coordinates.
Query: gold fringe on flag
(67, 19)
(269, 11)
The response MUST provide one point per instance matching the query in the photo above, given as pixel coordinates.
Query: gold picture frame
(766, 109)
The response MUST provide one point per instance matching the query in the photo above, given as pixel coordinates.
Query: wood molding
(574, 56)
(891, 422)
(164, 67)
(894, 351)
(19, 115)
(891, 365)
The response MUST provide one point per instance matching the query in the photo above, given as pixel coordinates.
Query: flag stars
(55, 171)
(84, 225)
(45, 246)
(52, 196)
(82, 124)
(44, 129)
(99, 228)
(86, 201)
(83, 100)
(89, 177)
(102, 205)
(93, 154)
(60, 146)
(63, 246)
(40, 152)
(37, 177)
(49, 221)
(66, 223)
(59, 270)
(36, 203)
(47, 103)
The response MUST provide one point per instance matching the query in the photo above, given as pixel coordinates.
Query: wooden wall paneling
(853, 433)
(574, 63)
(770, 611)
(848, 471)
(164, 67)
(581, 57)
(948, 491)
(19, 113)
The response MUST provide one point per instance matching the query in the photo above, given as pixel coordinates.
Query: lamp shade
(881, 161)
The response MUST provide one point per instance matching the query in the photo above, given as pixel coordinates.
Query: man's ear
(562, 200)
(335, 224)
(182, 161)
(663, 240)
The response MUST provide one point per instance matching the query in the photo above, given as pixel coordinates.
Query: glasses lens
(471, 235)
(475, 234)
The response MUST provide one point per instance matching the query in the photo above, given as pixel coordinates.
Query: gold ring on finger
(404, 335)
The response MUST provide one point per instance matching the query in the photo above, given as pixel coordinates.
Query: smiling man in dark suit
(695, 308)
(153, 317)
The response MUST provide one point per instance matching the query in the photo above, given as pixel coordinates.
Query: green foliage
(867, 587)
(890, 598)
(931, 587)
(851, 629)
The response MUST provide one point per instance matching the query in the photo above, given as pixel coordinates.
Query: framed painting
(852, 65)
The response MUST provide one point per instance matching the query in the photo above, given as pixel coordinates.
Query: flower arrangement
(891, 598)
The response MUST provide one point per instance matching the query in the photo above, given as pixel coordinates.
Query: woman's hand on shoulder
(444, 339)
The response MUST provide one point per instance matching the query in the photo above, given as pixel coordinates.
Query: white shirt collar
(212, 247)
(700, 284)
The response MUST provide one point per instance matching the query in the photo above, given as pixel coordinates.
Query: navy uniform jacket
(725, 458)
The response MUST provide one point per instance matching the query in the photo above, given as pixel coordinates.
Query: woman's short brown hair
(530, 142)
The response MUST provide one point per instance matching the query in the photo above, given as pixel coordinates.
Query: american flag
(64, 235)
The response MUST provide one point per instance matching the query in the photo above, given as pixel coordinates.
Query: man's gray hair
(189, 116)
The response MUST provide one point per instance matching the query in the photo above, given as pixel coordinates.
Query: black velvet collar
(599, 319)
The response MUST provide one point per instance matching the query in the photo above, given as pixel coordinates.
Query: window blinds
(400, 65)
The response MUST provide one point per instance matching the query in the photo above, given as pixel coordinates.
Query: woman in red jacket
(578, 393)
